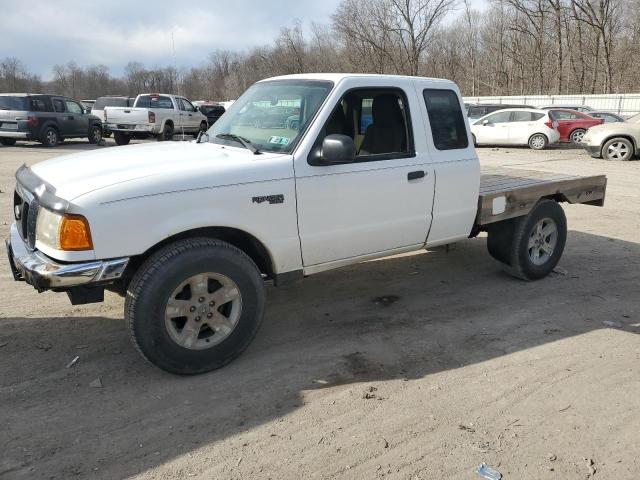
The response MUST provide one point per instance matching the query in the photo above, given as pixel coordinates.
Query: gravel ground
(459, 364)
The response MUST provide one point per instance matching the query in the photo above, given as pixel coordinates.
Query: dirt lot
(462, 364)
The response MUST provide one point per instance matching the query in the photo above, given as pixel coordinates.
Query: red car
(572, 125)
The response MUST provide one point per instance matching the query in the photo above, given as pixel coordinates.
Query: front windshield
(272, 115)
(634, 119)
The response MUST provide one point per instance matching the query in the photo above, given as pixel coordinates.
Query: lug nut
(197, 319)
(209, 315)
(201, 299)
(192, 309)
(212, 303)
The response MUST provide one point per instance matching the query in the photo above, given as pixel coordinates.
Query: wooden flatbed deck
(508, 193)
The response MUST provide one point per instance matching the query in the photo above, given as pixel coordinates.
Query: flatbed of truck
(508, 193)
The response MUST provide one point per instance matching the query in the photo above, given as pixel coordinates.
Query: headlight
(63, 232)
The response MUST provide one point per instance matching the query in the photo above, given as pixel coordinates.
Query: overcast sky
(43, 33)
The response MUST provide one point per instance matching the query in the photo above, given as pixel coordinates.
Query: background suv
(614, 141)
(48, 119)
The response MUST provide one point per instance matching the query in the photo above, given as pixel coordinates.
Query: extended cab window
(448, 125)
(377, 120)
(154, 101)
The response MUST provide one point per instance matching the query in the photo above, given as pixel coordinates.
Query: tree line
(512, 47)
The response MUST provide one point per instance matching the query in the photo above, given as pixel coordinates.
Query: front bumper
(594, 150)
(44, 273)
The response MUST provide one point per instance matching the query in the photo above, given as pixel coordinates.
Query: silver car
(614, 141)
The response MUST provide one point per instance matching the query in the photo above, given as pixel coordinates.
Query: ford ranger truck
(189, 232)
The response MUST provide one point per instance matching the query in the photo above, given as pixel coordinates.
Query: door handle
(415, 175)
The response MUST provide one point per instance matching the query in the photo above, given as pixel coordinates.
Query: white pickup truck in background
(156, 115)
(188, 233)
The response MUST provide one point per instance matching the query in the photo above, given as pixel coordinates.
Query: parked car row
(534, 127)
(50, 119)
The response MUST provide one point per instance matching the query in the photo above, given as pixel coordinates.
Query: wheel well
(538, 133)
(168, 122)
(246, 242)
(626, 137)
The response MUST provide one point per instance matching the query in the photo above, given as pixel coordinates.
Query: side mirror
(485, 122)
(338, 149)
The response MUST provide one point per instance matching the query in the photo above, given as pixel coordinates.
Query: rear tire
(95, 134)
(537, 241)
(8, 142)
(167, 133)
(538, 141)
(49, 137)
(618, 149)
(576, 135)
(195, 305)
(121, 138)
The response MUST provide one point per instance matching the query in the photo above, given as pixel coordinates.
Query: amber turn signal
(75, 233)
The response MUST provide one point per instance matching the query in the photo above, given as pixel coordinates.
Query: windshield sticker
(279, 140)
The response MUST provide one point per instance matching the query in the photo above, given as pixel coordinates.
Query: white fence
(623, 104)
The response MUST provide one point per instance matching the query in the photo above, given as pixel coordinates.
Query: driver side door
(380, 202)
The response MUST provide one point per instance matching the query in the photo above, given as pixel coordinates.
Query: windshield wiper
(237, 138)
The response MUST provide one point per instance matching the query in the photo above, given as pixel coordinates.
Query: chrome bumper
(44, 273)
(10, 134)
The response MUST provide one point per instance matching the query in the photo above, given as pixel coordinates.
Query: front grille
(25, 212)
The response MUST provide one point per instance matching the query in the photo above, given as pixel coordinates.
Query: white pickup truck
(154, 115)
(188, 233)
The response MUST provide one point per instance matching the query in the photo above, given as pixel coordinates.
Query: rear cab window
(448, 126)
(154, 101)
(110, 102)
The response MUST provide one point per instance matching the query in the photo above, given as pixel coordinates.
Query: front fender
(131, 227)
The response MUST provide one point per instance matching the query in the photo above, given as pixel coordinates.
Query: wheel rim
(97, 135)
(52, 137)
(203, 311)
(577, 136)
(617, 150)
(537, 142)
(542, 241)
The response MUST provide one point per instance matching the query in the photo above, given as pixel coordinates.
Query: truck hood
(155, 167)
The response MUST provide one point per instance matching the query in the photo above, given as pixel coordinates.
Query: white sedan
(516, 126)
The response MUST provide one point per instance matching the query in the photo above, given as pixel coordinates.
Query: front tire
(95, 134)
(538, 141)
(617, 149)
(8, 142)
(167, 133)
(195, 305)
(121, 138)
